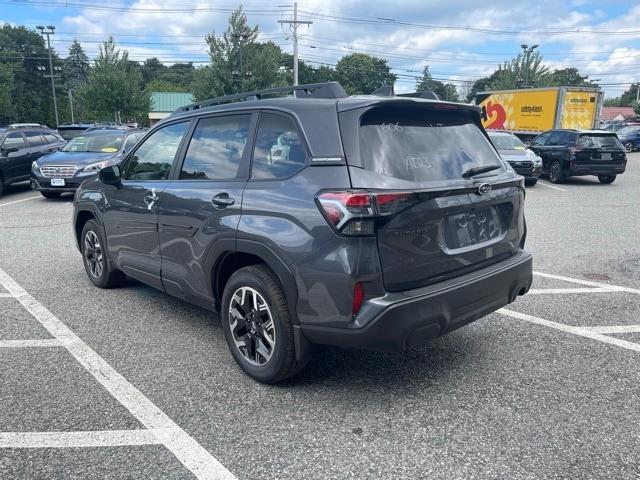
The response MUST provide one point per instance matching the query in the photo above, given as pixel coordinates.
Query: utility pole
(528, 50)
(71, 106)
(51, 31)
(294, 28)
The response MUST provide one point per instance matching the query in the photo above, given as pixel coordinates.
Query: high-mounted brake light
(354, 212)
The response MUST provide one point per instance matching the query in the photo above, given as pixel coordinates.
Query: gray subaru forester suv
(377, 221)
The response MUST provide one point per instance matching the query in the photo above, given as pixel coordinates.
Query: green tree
(159, 85)
(307, 73)
(445, 91)
(522, 71)
(238, 62)
(151, 69)
(628, 97)
(113, 90)
(22, 55)
(76, 67)
(570, 77)
(6, 87)
(178, 74)
(360, 73)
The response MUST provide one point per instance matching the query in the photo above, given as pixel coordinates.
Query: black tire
(606, 179)
(282, 363)
(1, 185)
(530, 182)
(50, 194)
(556, 175)
(629, 147)
(104, 276)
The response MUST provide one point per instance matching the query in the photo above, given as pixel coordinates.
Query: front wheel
(530, 182)
(257, 325)
(606, 179)
(555, 173)
(94, 256)
(46, 194)
(628, 146)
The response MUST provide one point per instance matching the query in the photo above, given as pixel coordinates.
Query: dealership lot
(132, 383)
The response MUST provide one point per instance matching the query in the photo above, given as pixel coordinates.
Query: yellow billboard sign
(578, 110)
(524, 110)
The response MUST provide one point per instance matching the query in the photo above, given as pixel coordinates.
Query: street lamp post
(50, 30)
(528, 50)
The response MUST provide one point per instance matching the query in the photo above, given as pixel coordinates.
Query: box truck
(529, 112)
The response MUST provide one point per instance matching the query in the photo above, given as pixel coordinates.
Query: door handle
(222, 200)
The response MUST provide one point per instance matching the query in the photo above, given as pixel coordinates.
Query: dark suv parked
(19, 147)
(378, 222)
(568, 153)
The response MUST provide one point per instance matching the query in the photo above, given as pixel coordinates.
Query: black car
(80, 159)
(375, 221)
(20, 146)
(523, 160)
(567, 153)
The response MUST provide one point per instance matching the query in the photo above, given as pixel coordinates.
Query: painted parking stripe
(588, 283)
(569, 329)
(544, 184)
(6, 295)
(184, 447)
(20, 201)
(547, 291)
(106, 438)
(44, 342)
(613, 329)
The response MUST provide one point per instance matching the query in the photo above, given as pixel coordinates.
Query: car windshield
(423, 144)
(507, 142)
(599, 141)
(627, 130)
(105, 143)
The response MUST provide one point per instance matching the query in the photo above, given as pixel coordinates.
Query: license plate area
(57, 182)
(473, 228)
(605, 156)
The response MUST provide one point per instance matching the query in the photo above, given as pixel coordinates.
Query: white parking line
(5, 295)
(105, 438)
(45, 342)
(613, 329)
(587, 282)
(184, 447)
(544, 184)
(543, 291)
(19, 201)
(581, 331)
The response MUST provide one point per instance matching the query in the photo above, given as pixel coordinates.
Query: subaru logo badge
(483, 189)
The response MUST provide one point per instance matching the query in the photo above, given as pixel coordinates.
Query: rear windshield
(507, 142)
(423, 144)
(599, 141)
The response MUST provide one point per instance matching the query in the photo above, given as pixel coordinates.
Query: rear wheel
(555, 172)
(530, 182)
(257, 325)
(93, 247)
(628, 146)
(50, 194)
(606, 179)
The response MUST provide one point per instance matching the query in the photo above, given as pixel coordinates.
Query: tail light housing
(358, 298)
(354, 212)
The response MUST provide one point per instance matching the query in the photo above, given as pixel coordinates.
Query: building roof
(609, 113)
(169, 101)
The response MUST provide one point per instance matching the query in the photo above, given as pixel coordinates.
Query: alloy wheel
(251, 325)
(554, 173)
(93, 254)
(628, 147)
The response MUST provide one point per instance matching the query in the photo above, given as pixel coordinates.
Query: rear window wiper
(473, 171)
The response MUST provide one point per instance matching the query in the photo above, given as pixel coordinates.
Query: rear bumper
(401, 320)
(579, 170)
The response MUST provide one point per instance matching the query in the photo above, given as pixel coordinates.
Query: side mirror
(527, 144)
(8, 150)
(110, 175)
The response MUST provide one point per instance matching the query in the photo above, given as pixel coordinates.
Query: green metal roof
(169, 101)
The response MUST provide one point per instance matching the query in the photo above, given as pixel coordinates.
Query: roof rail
(388, 91)
(26, 125)
(327, 90)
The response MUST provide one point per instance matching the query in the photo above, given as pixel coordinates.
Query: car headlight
(96, 167)
(34, 167)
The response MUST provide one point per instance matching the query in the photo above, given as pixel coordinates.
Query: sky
(461, 40)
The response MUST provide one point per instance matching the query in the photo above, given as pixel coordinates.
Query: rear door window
(216, 148)
(422, 145)
(599, 141)
(35, 139)
(51, 138)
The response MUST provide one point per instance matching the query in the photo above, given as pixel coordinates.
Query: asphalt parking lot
(132, 383)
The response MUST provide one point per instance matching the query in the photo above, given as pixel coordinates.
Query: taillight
(354, 212)
(358, 298)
